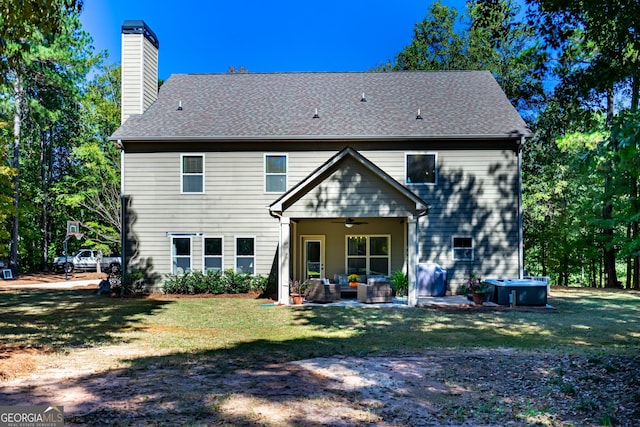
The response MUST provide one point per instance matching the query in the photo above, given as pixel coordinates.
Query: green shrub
(400, 283)
(213, 282)
(133, 282)
(259, 284)
(173, 284)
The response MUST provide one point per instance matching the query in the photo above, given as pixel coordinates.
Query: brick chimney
(139, 68)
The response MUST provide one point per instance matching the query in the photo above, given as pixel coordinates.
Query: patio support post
(283, 261)
(412, 262)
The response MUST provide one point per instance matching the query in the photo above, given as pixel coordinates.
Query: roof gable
(454, 104)
(341, 187)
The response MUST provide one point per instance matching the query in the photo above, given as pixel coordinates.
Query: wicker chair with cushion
(320, 290)
(374, 291)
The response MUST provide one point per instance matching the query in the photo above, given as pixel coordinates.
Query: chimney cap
(138, 26)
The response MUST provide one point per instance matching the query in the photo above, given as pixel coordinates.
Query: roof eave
(271, 138)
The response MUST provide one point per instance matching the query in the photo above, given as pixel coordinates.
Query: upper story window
(275, 173)
(421, 168)
(463, 248)
(192, 173)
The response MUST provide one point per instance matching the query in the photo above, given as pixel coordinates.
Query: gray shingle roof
(453, 104)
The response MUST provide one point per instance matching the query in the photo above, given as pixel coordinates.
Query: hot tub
(528, 292)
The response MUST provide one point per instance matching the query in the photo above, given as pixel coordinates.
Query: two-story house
(298, 175)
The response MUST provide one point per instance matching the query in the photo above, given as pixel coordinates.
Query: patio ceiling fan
(350, 222)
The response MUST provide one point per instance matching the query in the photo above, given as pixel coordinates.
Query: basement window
(181, 255)
(246, 255)
(463, 249)
(212, 254)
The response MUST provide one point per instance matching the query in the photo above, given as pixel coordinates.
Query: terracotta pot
(297, 298)
(478, 299)
(353, 284)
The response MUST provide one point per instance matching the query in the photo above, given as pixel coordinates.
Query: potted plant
(297, 290)
(476, 288)
(400, 283)
(353, 279)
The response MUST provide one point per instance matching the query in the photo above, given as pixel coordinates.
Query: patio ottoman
(319, 291)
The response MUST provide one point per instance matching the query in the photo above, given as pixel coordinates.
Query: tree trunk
(601, 272)
(635, 225)
(635, 93)
(17, 123)
(635, 230)
(45, 198)
(629, 262)
(609, 255)
(610, 275)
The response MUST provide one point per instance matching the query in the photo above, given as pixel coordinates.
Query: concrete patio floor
(448, 301)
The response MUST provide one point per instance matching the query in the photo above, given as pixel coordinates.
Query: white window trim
(453, 248)
(286, 173)
(182, 174)
(368, 255)
(413, 153)
(235, 251)
(204, 256)
(171, 256)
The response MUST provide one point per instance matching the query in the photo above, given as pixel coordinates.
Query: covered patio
(348, 216)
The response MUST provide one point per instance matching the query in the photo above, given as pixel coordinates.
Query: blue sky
(263, 36)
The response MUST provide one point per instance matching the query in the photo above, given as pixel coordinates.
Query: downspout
(123, 211)
(520, 213)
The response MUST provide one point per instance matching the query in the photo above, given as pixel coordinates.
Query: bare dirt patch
(52, 277)
(126, 384)
(18, 359)
(453, 388)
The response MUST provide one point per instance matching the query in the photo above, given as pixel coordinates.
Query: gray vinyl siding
(139, 74)
(150, 74)
(233, 204)
(476, 196)
(131, 79)
(351, 191)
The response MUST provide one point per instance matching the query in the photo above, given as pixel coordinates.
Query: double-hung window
(275, 173)
(180, 255)
(192, 173)
(213, 254)
(421, 168)
(463, 248)
(246, 255)
(369, 255)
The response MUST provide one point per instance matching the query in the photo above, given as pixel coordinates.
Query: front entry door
(313, 256)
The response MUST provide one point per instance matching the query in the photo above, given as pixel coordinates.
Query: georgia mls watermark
(31, 416)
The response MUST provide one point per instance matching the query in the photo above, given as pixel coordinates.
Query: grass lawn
(242, 328)
(235, 361)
